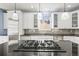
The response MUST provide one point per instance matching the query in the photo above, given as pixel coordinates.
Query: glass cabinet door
(35, 21)
(75, 20)
(55, 20)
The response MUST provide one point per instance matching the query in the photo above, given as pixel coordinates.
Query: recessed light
(32, 6)
(68, 6)
(65, 16)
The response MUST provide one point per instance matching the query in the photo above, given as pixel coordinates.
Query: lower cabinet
(3, 49)
(67, 46)
(74, 49)
(70, 47)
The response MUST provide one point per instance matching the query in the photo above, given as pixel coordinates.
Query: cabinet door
(74, 49)
(75, 20)
(3, 49)
(55, 20)
(1, 19)
(28, 22)
(35, 21)
(3, 30)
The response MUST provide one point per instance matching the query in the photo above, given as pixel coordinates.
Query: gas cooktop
(38, 44)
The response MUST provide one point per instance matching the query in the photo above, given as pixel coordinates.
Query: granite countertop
(63, 32)
(3, 39)
(52, 32)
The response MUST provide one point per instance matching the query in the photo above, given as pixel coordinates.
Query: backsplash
(51, 32)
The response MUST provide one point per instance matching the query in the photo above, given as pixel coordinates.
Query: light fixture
(65, 14)
(68, 6)
(15, 15)
(31, 6)
(39, 14)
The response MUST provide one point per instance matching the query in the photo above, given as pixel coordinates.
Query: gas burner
(27, 44)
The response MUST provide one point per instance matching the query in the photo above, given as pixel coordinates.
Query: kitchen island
(38, 48)
(40, 52)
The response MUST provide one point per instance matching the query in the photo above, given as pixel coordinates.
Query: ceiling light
(46, 9)
(69, 6)
(32, 6)
(65, 15)
(15, 15)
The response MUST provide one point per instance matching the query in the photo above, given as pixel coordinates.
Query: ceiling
(35, 7)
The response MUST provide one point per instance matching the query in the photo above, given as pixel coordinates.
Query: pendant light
(15, 15)
(65, 14)
(39, 14)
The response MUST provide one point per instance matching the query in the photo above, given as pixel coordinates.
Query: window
(44, 21)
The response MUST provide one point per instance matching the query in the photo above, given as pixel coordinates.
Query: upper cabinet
(64, 20)
(3, 14)
(35, 20)
(15, 26)
(30, 21)
(44, 21)
(1, 19)
(74, 19)
(59, 22)
(3, 22)
(55, 20)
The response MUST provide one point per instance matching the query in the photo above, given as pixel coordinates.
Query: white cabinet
(28, 21)
(3, 45)
(15, 25)
(75, 16)
(67, 46)
(74, 39)
(58, 22)
(5, 20)
(64, 23)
